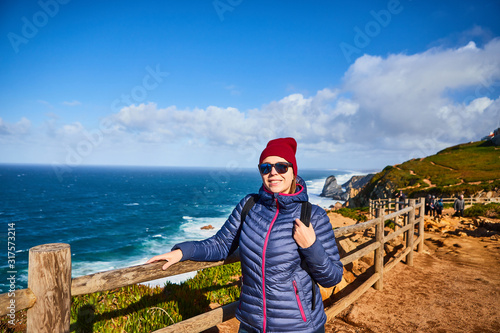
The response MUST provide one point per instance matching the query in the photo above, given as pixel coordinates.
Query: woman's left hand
(304, 236)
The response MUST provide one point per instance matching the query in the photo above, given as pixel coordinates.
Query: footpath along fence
(50, 286)
(392, 205)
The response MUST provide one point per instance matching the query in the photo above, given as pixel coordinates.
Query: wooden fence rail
(391, 205)
(50, 287)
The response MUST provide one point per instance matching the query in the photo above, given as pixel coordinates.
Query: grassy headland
(463, 169)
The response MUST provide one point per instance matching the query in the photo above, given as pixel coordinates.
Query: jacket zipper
(298, 301)
(264, 265)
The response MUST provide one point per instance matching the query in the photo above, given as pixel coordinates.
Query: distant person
(439, 208)
(428, 204)
(401, 197)
(278, 294)
(432, 206)
(459, 206)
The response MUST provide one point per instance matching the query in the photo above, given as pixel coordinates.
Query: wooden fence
(392, 205)
(50, 287)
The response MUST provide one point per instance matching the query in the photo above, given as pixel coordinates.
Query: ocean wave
(192, 228)
(132, 204)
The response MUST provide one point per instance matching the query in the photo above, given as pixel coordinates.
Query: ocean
(116, 217)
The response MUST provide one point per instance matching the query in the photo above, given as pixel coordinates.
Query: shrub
(491, 210)
(354, 213)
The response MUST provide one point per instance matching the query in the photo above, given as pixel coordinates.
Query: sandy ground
(453, 286)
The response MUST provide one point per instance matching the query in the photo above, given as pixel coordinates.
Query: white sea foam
(192, 228)
(178, 279)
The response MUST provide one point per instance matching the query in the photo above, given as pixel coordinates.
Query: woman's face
(274, 181)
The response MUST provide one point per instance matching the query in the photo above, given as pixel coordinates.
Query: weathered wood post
(421, 215)
(49, 277)
(406, 217)
(379, 251)
(410, 233)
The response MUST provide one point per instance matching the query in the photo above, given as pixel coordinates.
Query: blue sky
(359, 84)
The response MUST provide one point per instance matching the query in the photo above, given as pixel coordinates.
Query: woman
(277, 291)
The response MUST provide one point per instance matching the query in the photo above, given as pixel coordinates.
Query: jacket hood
(285, 201)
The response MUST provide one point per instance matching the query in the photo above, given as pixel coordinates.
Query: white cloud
(233, 90)
(18, 129)
(72, 103)
(41, 101)
(401, 103)
(293, 115)
(397, 102)
(389, 109)
(410, 95)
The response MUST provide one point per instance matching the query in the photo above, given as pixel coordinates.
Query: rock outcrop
(207, 227)
(333, 190)
(347, 190)
(379, 188)
(357, 182)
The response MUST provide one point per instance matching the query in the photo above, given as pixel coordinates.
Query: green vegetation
(491, 210)
(468, 163)
(358, 214)
(140, 308)
(462, 169)
(390, 224)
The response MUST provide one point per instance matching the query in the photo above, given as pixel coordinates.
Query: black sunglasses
(280, 167)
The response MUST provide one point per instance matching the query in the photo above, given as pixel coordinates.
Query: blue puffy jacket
(276, 293)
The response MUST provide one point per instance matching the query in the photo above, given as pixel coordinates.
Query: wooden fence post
(49, 277)
(370, 208)
(379, 252)
(410, 233)
(421, 211)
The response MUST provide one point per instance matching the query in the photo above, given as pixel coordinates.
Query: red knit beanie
(284, 148)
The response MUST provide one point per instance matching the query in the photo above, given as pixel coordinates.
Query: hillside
(469, 169)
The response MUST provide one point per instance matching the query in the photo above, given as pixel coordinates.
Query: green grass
(452, 170)
(140, 308)
(491, 210)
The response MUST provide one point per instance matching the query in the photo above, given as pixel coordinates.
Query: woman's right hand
(171, 257)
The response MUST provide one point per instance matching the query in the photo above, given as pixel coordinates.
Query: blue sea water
(115, 217)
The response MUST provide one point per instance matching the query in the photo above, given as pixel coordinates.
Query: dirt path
(442, 166)
(454, 286)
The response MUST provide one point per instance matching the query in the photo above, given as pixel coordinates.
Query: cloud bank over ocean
(400, 105)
